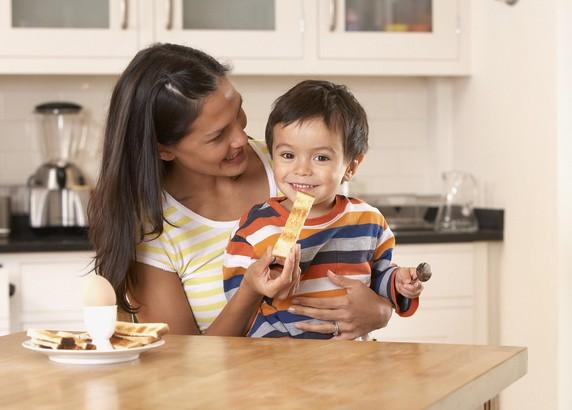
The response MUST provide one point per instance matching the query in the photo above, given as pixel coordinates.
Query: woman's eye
(216, 137)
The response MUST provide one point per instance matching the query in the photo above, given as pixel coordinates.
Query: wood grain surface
(226, 372)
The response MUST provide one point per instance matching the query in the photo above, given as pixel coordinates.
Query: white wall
(398, 110)
(506, 131)
(565, 201)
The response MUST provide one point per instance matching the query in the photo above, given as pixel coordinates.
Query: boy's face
(309, 157)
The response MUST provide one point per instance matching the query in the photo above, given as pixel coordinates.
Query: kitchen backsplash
(400, 158)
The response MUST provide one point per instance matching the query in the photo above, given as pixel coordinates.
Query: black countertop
(25, 239)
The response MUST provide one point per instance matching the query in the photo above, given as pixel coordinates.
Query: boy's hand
(407, 283)
(267, 279)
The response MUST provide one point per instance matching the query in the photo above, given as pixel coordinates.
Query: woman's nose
(239, 137)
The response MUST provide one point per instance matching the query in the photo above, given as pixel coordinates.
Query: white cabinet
(230, 29)
(389, 29)
(454, 305)
(4, 301)
(283, 37)
(67, 35)
(48, 289)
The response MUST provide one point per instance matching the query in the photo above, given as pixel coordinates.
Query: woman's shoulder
(260, 147)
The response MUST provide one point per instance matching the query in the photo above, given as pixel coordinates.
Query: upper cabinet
(389, 29)
(286, 37)
(230, 29)
(48, 35)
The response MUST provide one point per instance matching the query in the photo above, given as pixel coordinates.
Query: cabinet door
(68, 28)
(4, 302)
(50, 291)
(453, 305)
(389, 29)
(230, 29)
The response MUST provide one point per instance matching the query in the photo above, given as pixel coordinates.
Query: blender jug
(456, 212)
(62, 131)
(58, 191)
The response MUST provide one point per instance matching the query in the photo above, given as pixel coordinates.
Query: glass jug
(456, 212)
(62, 133)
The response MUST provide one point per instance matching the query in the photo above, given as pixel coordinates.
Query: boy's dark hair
(333, 103)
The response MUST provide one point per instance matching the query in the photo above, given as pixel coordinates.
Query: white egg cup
(99, 322)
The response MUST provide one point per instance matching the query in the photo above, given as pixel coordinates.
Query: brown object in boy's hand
(423, 271)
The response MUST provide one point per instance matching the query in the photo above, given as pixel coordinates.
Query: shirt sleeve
(154, 251)
(383, 273)
(238, 256)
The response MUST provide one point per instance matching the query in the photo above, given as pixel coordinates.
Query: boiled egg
(97, 291)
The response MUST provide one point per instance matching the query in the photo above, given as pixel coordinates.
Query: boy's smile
(309, 157)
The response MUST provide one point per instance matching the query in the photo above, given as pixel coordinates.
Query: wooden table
(226, 372)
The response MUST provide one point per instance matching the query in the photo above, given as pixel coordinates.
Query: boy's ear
(164, 153)
(352, 167)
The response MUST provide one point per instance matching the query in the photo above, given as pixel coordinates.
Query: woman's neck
(220, 197)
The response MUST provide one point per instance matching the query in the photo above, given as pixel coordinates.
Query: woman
(178, 171)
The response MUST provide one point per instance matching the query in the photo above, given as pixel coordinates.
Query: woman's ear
(165, 153)
(352, 167)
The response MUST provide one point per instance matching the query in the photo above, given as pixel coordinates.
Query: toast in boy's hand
(296, 219)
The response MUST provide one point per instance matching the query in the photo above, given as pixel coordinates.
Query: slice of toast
(119, 343)
(60, 340)
(155, 330)
(137, 339)
(294, 223)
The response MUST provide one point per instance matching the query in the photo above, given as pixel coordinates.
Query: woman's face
(215, 145)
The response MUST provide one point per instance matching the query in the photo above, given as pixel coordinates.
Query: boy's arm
(384, 273)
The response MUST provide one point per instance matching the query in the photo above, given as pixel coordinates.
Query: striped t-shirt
(193, 247)
(353, 240)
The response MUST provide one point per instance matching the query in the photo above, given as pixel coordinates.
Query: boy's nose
(303, 168)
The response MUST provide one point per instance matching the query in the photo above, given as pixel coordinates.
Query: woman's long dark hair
(155, 100)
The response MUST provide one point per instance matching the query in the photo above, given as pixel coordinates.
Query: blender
(58, 191)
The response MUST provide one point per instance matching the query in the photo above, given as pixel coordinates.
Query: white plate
(93, 356)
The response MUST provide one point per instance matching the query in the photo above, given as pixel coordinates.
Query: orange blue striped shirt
(353, 240)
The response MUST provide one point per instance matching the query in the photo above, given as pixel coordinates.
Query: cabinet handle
(169, 22)
(12, 289)
(124, 5)
(333, 14)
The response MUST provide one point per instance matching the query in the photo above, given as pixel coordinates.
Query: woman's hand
(407, 283)
(267, 279)
(357, 313)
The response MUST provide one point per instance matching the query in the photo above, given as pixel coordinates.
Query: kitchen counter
(25, 239)
(247, 373)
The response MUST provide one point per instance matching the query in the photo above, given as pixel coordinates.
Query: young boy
(317, 136)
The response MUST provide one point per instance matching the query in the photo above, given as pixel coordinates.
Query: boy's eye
(287, 155)
(322, 158)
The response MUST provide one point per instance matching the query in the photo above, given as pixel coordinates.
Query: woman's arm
(161, 298)
(237, 315)
(258, 280)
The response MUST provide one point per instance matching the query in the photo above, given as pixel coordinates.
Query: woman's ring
(336, 328)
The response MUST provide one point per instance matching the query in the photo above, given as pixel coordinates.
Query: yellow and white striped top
(194, 248)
